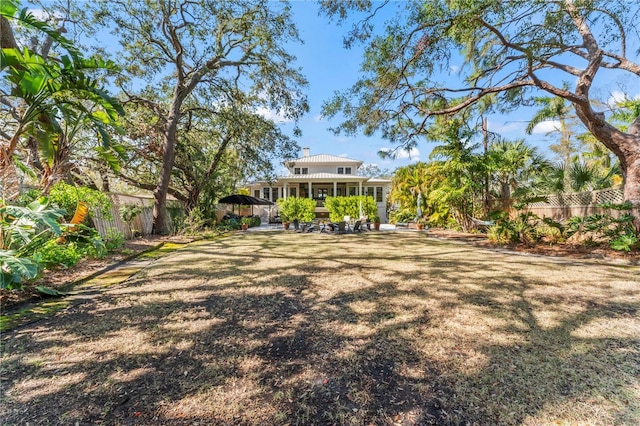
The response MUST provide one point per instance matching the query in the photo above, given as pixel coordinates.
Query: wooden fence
(563, 206)
(142, 224)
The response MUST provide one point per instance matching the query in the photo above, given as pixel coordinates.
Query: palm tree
(514, 164)
(556, 108)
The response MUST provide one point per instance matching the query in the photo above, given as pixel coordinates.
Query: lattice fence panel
(613, 195)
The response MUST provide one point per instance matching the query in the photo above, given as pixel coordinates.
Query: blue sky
(330, 67)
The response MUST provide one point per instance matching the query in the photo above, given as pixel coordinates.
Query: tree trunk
(625, 146)
(160, 226)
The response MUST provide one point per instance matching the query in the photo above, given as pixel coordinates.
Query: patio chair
(342, 227)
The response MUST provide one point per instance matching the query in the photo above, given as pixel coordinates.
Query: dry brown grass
(378, 328)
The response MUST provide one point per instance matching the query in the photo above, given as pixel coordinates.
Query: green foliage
(194, 222)
(401, 216)
(625, 242)
(67, 196)
(129, 212)
(297, 208)
(619, 232)
(522, 229)
(113, 240)
(22, 230)
(54, 255)
(339, 207)
(246, 221)
(15, 269)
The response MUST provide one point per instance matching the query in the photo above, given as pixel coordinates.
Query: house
(321, 176)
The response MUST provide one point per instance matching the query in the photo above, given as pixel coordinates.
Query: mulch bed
(59, 278)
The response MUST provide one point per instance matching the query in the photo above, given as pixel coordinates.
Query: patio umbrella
(419, 206)
(244, 200)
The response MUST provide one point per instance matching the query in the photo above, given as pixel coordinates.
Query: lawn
(378, 328)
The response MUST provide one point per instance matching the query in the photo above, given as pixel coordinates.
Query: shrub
(521, 229)
(113, 240)
(67, 196)
(53, 255)
(295, 208)
(619, 233)
(353, 206)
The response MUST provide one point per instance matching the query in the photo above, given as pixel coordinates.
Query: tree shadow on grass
(225, 334)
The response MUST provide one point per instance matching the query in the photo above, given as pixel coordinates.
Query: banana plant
(22, 230)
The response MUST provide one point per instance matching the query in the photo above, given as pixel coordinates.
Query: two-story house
(321, 176)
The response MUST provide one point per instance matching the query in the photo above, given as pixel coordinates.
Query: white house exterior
(321, 176)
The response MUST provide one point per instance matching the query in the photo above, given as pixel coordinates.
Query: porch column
(360, 188)
(310, 191)
(335, 188)
(284, 190)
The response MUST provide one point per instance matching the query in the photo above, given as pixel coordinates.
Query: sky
(329, 67)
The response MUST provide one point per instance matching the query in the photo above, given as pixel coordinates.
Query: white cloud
(504, 127)
(272, 115)
(401, 154)
(546, 127)
(618, 96)
(317, 117)
(454, 68)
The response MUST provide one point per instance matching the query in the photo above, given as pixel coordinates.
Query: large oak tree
(512, 50)
(181, 54)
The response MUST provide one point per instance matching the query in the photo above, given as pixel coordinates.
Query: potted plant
(245, 222)
(376, 222)
(422, 223)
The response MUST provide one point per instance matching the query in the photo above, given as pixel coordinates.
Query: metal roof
(324, 176)
(324, 158)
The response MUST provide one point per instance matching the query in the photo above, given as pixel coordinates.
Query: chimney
(305, 152)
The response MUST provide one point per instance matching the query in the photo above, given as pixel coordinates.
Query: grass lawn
(378, 328)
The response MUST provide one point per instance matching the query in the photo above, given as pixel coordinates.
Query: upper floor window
(305, 171)
(340, 170)
(347, 170)
(296, 171)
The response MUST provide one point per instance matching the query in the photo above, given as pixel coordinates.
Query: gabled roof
(324, 159)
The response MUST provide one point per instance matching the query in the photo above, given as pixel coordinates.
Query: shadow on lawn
(225, 333)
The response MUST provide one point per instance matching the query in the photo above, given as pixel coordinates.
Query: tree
(557, 109)
(214, 152)
(48, 101)
(374, 171)
(511, 49)
(513, 164)
(190, 52)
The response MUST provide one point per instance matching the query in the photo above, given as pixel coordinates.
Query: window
(256, 193)
(305, 171)
(274, 194)
(340, 170)
(296, 171)
(347, 170)
(322, 193)
(379, 194)
(292, 192)
(265, 193)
